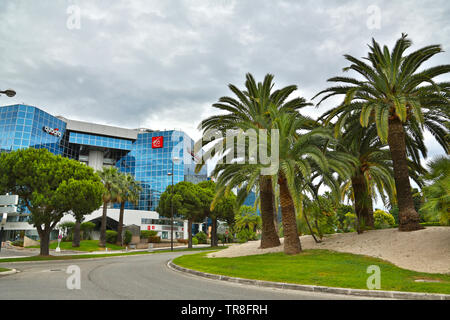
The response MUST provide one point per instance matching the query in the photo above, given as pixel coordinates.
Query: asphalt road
(131, 277)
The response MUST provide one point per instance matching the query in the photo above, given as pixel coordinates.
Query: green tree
(186, 204)
(222, 209)
(401, 101)
(128, 191)
(109, 178)
(37, 176)
(250, 109)
(86, 197)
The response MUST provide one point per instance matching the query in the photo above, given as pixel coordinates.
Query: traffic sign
(9, 200)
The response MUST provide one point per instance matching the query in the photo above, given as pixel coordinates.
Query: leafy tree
(110, 180)
(250, 109)
(86, 197)
(222, 209)
(128, 191)
(401, 101)
(186, 204)
(37, 177)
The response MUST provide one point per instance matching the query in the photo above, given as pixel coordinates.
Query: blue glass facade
(100, 141)
(25, 126)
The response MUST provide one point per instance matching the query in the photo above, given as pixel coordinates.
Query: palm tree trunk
(291, 240)
(309, 227)
(76, 234)
(120, 227)
(269, 235)
(362, 203)
(102, 241)
(407, 216)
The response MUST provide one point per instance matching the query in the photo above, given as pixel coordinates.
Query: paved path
(132, 277)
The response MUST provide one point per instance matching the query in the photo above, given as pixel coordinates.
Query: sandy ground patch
(426, 250)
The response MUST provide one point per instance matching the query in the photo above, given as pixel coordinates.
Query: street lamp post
(174, 159)
(9, 92)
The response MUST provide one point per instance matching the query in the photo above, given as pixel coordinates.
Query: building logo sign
(157, 142)
(53, 132)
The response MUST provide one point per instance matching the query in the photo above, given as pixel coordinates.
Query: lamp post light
(9, 92)
(174, 160)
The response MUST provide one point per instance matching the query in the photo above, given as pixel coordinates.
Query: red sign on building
(157, 142)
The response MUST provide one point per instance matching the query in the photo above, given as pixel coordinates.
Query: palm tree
(298, 153)
(401, 101)
(109, 177)
(128, 191)
(247, 219)
(437, 194)
(250, 109)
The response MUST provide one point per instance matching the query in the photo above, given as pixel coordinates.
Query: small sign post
(58, 249)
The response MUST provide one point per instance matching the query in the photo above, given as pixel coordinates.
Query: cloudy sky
(161, 64)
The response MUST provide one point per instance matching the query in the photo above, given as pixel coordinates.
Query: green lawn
(4, 269)
(317, 267)
(106, 255)
(85, 245)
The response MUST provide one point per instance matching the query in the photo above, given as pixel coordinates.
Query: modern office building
(146, 154)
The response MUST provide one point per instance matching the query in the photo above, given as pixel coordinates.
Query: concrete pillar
(95, 159)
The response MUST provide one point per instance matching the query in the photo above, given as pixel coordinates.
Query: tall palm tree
(109, 177)
(401, 101)
(250, 109)
(298, 153)
(128, 191)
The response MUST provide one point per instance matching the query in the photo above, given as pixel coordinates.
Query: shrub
(127, 237)
(201, 237)
(17, 243)
(246, 235)
(154, 239)
(111, 236)
(145, 234)
(86, 228)
(383, 219)
(394, 212)
(194, 241)
(349, 222)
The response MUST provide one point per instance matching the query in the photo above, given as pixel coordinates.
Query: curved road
(131, 277)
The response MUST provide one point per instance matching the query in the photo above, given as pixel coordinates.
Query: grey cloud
(162, 63)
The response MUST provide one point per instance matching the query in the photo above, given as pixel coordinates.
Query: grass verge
(85, 245)
(106, 255)
(4, 270)
(317, 267)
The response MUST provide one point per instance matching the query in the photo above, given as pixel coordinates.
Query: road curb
(301, 287)
(5, 273)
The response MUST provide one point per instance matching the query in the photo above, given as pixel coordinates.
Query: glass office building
(144, 153)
